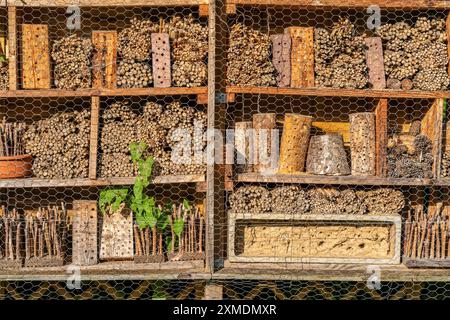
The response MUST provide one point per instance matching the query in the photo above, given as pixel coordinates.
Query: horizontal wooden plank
(325, 272)
(427, 263)
(43, 183)
(104, 3)
(303, 178)
(104, 92)
(332, 92)
(120, 270)
(406, 4)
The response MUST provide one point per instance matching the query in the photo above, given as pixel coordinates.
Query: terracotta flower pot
(15, 166)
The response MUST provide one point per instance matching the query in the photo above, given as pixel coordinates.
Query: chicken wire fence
(101, 158)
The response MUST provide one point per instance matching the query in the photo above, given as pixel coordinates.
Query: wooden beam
(431, 126)
(381, 137)
(332, 92)
(107, 3)
(94, 136)
(213, 292)
(12, 47)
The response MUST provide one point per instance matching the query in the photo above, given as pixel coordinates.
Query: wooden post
(381, 138)
(243, 146)
(431, 126)
(326, 156)
(93, 140)
(35, 57)
(362, 143)
(84, 233)
(161, 60)
(447, 24)
(281, 58)
(213, 292)
(265, 153)
(12, 48)
(302, 56)
(294, 142)
(104, 66)
(375, 63)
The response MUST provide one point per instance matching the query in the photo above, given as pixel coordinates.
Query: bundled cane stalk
(10, 234)
(11, 135)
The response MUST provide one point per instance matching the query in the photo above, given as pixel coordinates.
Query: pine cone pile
(249, 62)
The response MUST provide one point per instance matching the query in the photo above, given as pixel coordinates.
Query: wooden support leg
(213, 292)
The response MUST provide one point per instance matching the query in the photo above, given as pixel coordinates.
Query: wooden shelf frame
(106, 3)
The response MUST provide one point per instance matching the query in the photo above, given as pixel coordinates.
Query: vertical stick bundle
(10, 234)
(11, 136)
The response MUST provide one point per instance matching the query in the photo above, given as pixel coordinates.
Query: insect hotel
(331, 149)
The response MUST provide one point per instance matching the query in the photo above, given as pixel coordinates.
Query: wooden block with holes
(302, 56)
(35, 57)
(375, 63)
(281, 58)
(161, 60)
(104, 63)
(84, 233)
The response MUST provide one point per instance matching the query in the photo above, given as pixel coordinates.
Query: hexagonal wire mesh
(285, 249)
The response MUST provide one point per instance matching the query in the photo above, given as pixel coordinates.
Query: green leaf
(140, 220)
(150, 220)
(163, 222)
(186, 204)
(178, 226)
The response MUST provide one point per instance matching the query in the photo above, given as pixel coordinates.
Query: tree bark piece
(362, 143)
(281, 58)
(326, 156)
(265, 143)
(294, 142)
(302, 56)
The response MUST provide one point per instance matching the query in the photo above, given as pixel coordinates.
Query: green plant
(112, 199)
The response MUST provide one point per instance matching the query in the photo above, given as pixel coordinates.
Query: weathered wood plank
(281, 58)
(302, 56)
(12, 47)
(381, 138)
(161, 60)
(94, 136)
(107, 3)
(104, 65)
(35, 57)
(332, 92)
(375, 63)
(431, 126)
(84, 233)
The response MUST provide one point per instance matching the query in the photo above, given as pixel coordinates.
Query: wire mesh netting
(328, 128)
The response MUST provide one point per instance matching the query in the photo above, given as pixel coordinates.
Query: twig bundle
(4, 77)
(427, 235)
(60, 145)
(46, 231)
(10, 234)
(72, 56)
(11, 136)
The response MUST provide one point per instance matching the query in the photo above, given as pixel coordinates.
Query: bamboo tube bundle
(265, 143)
(11, 228)
(326, 156)
(11, 136)
(362, 143)
(191, 241)
(427, 233)
(243, 144)
(46, 233)
(294, 142)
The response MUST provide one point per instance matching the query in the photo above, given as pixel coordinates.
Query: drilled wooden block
(281, 58)
(243, 146)
(104, 65)
(116, 241)
(375, 63)
(265, 148)
(363, 143)
(84, 233)
(302, 56)
(161, 60)
(326, 156)
(35, 57)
